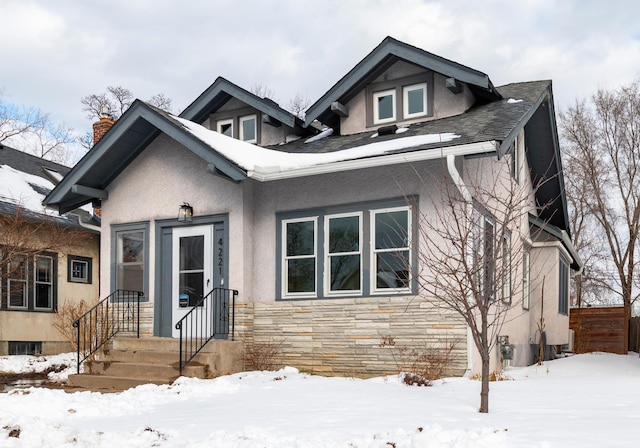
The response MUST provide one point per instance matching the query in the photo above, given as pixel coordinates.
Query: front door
(192, 269)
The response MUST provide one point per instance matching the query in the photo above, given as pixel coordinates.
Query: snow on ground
(590, 400)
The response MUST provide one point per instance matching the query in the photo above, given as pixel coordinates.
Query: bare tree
(298, 105)
(25, 234)
(471, 250)
(33, 131)
(117, 100)
(604, 137)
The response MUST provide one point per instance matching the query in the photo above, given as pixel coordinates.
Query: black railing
(208, 319)
(119, 312)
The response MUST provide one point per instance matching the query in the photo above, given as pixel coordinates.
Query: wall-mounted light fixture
(185, 214)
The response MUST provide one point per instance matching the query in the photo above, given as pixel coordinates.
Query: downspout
(468, 198)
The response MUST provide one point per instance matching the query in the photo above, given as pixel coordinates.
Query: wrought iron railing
(212, 317)
(119, 312)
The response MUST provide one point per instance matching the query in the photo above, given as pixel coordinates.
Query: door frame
(162, 308)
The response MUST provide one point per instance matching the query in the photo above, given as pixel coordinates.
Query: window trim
(220, 123)
(376, 109)
(285, 258)
(374, 251)
(36, 282)
(241, 121)
(79, 259)
(398, 86)
(406, 115)
(328, 255)
(127, 228)
(366, 208)
(563, 286)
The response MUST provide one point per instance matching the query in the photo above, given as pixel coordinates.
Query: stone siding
(342, 336)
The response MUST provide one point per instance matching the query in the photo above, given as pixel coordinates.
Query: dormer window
(414, 100)
(248, 129)
(384, 106)
(400, 99)
(226, 127)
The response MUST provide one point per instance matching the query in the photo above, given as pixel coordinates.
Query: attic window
(226, 127)
(248, 129)
(384, 106)
(414, 100)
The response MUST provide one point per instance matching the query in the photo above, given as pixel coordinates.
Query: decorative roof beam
(89, 192)
(268, 119)
(339, 109)
(453, 85)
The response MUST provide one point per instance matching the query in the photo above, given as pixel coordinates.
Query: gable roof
(126, 139)
(221, 91)
(382, 57)
(24, 182)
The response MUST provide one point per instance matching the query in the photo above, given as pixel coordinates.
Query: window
(248, 129)
(506, 267)
(414, 100)
(346, 251)
(79, 269)
(384, 106)
(563, 284)
(515, 160)
(17, 278)
(130, 257)
(344, 256)
(226, 127)
(43, 282)
(526, 278)
(300, 257)
(30, 283)
(25, 348)
(399, 99)
(391, 255)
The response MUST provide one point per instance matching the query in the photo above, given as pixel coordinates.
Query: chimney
(101, 126)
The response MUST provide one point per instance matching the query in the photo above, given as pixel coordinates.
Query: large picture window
(346, 251)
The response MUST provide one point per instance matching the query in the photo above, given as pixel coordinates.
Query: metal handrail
(118, 312)
(206, 320)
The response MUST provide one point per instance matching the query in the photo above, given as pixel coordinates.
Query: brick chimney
(101, 126)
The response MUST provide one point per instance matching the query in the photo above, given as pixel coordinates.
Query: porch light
(185, 214)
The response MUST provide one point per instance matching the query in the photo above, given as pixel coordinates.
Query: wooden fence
(599, 329)
(634, 334)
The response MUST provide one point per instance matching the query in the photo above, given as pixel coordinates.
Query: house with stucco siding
(313, 222)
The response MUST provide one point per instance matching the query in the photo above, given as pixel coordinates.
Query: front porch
(126, 362)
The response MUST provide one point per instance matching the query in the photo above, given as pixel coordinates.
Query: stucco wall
(445, 102)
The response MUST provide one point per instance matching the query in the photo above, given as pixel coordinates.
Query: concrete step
(144, 371)
(102, 383)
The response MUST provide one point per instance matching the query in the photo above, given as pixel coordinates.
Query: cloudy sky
(54, 53)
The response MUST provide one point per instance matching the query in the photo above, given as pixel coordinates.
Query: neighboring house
(266, 210)
(46, 261)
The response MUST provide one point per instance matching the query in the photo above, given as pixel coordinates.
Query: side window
(79, 269)
(299, 257)
(391, 249)
(344, 253)
(130, 257)
(563, 285)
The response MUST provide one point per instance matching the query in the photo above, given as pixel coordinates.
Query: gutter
(468, 198)
(263, 174)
